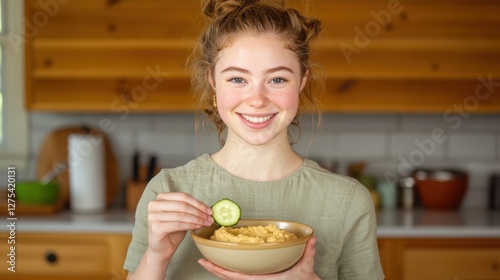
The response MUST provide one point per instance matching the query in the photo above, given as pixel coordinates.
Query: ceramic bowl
(37, 193)
(262, 258)
(441, 189)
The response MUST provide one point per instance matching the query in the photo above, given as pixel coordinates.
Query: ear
(211, 79)
(304, 80)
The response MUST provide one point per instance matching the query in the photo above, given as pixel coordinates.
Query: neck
(267, 162)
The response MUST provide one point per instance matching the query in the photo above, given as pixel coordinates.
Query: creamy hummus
(252, 234)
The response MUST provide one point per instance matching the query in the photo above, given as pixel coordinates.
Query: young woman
(252, 69)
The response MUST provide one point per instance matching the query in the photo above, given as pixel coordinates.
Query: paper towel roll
(87, 179)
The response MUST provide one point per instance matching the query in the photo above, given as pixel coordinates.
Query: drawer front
(62, 258)
(60, 255)
(451, 263)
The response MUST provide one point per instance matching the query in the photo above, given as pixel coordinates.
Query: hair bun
(220, 8)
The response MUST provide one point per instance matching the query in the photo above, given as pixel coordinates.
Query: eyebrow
(268, 71)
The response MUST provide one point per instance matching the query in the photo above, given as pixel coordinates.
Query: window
(13, 117)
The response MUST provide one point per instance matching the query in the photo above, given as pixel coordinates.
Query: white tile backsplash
(112, 123)
(362, 145)
(319, 145)
(497, 146)
(175, 123)
(122, 143)
(453, 122)
(406, 143)
(483, 122)
(472, 145)
(383, 141)
(359, 122)
(48, 122)
(431, 121)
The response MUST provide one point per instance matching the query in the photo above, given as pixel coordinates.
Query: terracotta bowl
(260, 258)
(441, 189)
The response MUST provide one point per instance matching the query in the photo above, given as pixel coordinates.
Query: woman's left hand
(304, 269)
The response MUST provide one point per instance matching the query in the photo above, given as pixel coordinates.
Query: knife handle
(135, 167)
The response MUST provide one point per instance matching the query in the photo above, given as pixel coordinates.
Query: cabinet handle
(51, 257)
(495, 266)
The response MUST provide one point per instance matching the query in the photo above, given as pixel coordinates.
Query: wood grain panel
(408, 19)
(125, 19)
(79, 256)
(112, 59)
(418, 95)
(402, 59)
(120, 96)
(377, 55)
(451, 263)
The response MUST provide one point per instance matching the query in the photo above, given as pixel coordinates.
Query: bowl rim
(432, 175)
(252, 246)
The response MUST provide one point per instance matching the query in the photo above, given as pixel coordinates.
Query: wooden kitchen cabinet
(57, 256)
(377, 55)
(438, 259)
(110, 56)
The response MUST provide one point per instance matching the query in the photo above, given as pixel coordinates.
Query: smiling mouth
(257, 119)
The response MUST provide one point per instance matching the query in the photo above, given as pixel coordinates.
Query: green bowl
(37, 193)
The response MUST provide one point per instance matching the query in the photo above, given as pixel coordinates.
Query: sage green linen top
(339, 209)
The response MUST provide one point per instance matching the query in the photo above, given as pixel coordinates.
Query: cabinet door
(451, 259)
(67, 256)
(409, 56)
(110, 56)
(377, 55)
(387, 257)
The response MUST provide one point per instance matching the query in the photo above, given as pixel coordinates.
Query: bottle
(407, 193)
(388, 194)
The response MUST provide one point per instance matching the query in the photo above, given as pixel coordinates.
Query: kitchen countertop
(466, 223)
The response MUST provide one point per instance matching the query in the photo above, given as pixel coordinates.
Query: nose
(258, 97)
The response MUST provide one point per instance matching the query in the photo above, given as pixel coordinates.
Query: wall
(388, 143)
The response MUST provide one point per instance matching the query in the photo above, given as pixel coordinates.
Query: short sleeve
(360, 258)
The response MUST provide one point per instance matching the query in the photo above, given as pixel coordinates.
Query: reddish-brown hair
(230, 18)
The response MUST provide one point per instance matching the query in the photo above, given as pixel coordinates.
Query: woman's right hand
(170, 216)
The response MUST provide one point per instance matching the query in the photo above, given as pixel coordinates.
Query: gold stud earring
(214, 101)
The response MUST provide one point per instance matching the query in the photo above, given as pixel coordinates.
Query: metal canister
(407, 193)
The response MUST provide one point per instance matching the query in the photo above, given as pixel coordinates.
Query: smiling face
(257, 82)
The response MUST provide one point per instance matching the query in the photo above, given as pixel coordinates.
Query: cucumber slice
(226, 212)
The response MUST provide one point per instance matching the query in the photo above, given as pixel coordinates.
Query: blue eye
(236, 80)
(278, 80)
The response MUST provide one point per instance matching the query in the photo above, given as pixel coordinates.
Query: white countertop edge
(382, 232)
(438, 232)
(125, 228)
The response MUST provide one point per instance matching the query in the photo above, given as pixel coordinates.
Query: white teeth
(256, 119)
